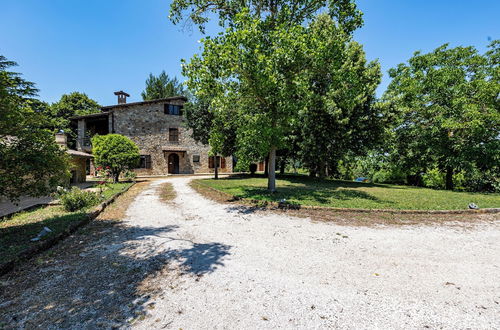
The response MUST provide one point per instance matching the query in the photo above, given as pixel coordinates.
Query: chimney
(122, 97)
(62, 139)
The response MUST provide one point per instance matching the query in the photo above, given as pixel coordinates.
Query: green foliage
(434, 179)
(448, 111)
(389, 175)
(77, 199)
(31, 163)
(115, 152)
(74, 104)
(203, 122)
(253, 75)
(340, 117)
(476, 180)
(130, 175)
(278, 11)
(161, 86)
(70, 105)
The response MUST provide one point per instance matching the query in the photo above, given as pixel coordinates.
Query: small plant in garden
(130, 175)
(102, 185)
(77, 199)
(60, 191)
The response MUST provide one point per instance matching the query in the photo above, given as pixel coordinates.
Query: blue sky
(98, 47)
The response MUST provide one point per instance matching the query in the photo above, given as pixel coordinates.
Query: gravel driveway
(223, 266)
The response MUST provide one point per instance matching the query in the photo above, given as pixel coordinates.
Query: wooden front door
(173, 164)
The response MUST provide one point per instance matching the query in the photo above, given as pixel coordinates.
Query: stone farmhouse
(157, 127)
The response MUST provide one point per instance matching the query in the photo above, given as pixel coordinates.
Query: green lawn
(348, 194)
(16, 231)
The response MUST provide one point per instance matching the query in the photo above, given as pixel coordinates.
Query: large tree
(340, 117)
(253, 71)
(70, 105)
(161, 86)
(448, 102)
(31, 163)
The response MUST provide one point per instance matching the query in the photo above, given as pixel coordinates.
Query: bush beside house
(116, 153)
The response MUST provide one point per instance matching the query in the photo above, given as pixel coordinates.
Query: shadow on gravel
(103, 276)
(243, 209)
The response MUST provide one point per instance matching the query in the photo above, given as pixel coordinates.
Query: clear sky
(98, 47)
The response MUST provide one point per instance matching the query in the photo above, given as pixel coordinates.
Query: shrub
(115, 153)
(434, 179)
(389, 176)
(130, 175)
(486, 181)
(77, 199)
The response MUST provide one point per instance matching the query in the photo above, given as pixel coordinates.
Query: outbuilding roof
(77, 153)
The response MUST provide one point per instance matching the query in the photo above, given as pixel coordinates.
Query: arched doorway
(173, 163)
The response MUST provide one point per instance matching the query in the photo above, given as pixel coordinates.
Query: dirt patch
(167, 192)
(351, 218)
(117, 210)
(88, 277)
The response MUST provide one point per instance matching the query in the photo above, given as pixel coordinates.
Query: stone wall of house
(148, 126)
(78, 169)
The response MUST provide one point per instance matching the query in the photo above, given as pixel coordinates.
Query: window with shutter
(172, 109)
(222, 162)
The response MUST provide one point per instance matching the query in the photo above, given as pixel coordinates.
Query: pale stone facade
(154, 132)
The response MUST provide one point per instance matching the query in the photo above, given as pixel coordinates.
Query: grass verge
(347, 217)
(17, 231)
(346, 194)
(167, 192)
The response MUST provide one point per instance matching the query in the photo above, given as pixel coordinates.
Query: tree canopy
(254, 72)
(161, 86)
(449, 114)
(277, 11)
(340, 117)
(70, 105)
(31, 163)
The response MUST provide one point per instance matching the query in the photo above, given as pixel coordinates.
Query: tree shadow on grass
(103, 276)
(300, 194)
(16, 238)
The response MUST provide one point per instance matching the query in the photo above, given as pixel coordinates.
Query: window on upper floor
(173, 134)
(172, 109)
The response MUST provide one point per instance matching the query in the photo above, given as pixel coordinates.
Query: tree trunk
(449, 178)
(266, 166)
(216, 167)
(282, 166)
(271, 179)
(322, 169)
(116, 177)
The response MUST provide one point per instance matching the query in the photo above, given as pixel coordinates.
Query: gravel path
(195, 264)
(256, 270)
